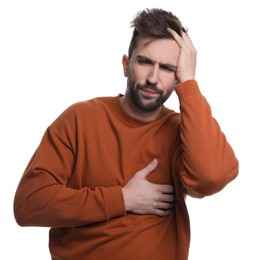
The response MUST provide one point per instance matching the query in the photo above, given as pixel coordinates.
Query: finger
(163, 188)
(168, 198)
(149, 168)
(163, 213)
(177, 37)
(165, 205)
(183, 40)
(174, 33)
(187, 39)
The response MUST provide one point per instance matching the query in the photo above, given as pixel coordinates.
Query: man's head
(153, 57)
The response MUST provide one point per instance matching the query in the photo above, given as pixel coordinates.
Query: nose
(153, 76)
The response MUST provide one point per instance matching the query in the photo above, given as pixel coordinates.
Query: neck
(136, 112)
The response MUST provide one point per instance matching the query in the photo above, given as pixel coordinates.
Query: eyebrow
(165, 65)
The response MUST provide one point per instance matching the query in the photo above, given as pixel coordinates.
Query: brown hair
(154, 23)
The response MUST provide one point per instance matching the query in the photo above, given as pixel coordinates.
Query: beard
(138, 100)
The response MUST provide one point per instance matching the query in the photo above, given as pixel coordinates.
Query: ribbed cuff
(115, 202)
(187, 88)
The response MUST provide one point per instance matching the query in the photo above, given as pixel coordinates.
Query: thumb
(149, 168)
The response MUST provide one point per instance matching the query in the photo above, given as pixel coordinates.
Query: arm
(208, 162)
(45, 198)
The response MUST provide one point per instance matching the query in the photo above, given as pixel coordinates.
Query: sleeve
(208, 162)
(43, 197)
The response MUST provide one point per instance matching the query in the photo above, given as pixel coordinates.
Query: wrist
(126, 199)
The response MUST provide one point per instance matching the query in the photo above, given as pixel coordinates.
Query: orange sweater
(73, 181)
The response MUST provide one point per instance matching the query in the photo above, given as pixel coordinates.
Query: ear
(125, 62)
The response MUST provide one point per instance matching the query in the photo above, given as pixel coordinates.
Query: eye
(167, 68)
(144, 61)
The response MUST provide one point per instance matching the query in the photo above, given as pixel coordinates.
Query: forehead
(159, 50)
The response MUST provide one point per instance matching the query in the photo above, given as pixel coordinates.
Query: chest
(110, 155)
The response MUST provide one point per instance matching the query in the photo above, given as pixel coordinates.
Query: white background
(54, 53)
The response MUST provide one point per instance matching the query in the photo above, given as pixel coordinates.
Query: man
(111, 174)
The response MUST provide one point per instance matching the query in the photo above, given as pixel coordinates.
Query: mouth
(147, 92)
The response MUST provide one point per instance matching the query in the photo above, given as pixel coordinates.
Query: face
(151, 72)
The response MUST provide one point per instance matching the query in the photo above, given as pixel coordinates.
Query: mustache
(149, 86)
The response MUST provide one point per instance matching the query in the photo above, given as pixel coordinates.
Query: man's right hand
(144, 197)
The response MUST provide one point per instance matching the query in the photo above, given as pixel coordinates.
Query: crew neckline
(119, 111)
